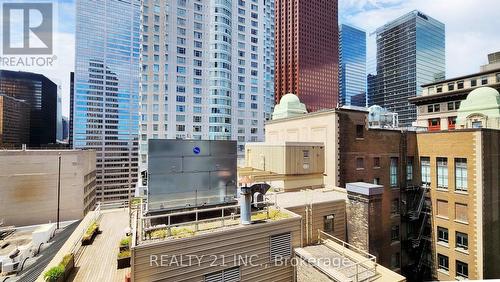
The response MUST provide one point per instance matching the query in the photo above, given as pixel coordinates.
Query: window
(305, 154)
(395, 233)
(484, 80)
(477, 124)
(442, 173)
(395, 206)
(442, 234)
(462, 269)
(409, 169)
(360, 131)
(473, 82)
(394, 172)
(442, 208)
(434, 124)
(360, 163)
(439, 89)
(460, 84)
(498, 77)
(451, 86)
(461, 212)
(226, 275)
(461, 174)
(376, 162)
(443, 262)
(451, 106)
(452, 121)
(461, 240)
(328, 223)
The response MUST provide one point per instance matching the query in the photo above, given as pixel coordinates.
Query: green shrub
(54, 273)
(125, 241)
(274, 214)
(65, 261)
(158, 234)
(124, 254)
(92, 228)
(135, 201)
(182, 232)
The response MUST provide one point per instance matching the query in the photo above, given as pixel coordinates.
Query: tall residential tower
(207, 70)
(106, 88)
(306, 52)
(352, 66)
(410, 53)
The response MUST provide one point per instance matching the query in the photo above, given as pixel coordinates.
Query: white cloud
(471, 26)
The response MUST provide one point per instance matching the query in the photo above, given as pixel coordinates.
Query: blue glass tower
(105, 98)
(352, 66)
(410, 53)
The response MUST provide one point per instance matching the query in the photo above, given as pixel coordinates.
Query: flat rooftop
(343, 262)
(303, 197)
(150, 232)
(13, 240)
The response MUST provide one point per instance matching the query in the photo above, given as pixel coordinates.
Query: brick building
(306, 52)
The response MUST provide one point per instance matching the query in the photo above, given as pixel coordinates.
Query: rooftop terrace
(157, 228)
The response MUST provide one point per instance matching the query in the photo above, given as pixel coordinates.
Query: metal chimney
(245, 201)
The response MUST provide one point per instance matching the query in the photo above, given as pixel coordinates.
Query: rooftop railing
(364, 266)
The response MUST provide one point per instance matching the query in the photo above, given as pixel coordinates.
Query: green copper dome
(480, 109)
(289, 106)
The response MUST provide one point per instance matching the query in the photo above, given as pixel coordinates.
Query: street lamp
(58, 188)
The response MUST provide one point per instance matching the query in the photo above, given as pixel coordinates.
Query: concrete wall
(217, 251)
(314, 127)
(307, 273)
(28, 185)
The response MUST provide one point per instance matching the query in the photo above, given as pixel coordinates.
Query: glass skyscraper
(106, 89)
(410, 53)
(352, 66)
(206, 70)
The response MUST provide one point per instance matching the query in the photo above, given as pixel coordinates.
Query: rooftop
(460, 77)
(341, 261)
(157, 228)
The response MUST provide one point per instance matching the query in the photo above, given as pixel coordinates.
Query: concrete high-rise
(207, 71)
(352, 66)
(410, 53)
(306, 52)
(105, 114)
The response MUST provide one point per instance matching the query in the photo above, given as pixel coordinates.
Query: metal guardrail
(369, 257)
(145, 221)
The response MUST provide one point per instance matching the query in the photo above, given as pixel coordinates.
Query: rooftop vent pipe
(245, 201)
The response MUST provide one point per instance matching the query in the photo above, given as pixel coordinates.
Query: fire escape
(416, 217)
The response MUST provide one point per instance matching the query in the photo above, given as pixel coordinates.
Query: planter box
(88, 239)
(69, 267)
(124, 248)
(123, 262)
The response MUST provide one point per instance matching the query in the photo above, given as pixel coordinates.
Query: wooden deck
(97, 262)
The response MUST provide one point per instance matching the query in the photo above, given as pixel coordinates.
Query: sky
(471, 26)
(471, 32)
